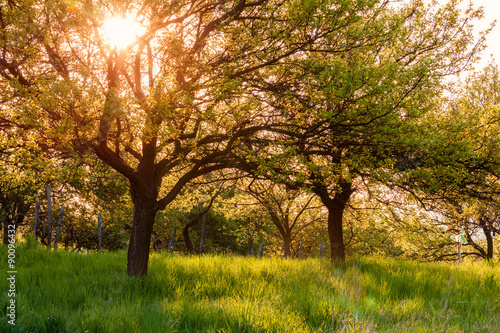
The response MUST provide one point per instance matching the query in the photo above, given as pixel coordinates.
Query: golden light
(121, 31)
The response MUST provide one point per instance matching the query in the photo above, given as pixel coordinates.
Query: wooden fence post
(300, 247)
(37, 210)
(49, 216)
(321, 250)
(99, 231)
(171, 246)
(261, 249)
(59, 222)
(202, 238)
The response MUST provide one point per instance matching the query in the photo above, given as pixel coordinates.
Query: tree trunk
(286, 245)
(489, 250)
(489, 238)
(336, 208)
(187, 239)
(185, 233)
(335, 233)
(142, 228)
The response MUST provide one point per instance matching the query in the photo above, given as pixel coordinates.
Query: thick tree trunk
(286, 245)
(335, 232)
(336, 208)
(140, 238)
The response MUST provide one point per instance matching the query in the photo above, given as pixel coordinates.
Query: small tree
(291, 211)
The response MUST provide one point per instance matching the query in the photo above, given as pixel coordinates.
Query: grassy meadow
(58, 291)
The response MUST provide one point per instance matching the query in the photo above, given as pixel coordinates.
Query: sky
(491, 13)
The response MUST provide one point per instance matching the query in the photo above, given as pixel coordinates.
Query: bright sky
(491, 13)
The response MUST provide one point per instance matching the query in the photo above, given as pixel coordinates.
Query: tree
(24, 167)
(475, 106)
(356, 115)
(454, 171)
(291, 211)
(251, 221)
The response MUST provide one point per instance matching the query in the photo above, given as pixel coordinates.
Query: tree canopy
(309, 93)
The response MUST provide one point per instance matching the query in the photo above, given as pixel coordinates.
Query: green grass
(59, 291)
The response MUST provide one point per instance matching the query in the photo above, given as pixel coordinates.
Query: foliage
(292, 212)
(355, 112)
(308, 93)
(457, 169)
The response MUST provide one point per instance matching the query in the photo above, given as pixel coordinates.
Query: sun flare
(121, 31)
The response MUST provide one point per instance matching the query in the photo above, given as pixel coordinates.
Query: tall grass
(59, 291)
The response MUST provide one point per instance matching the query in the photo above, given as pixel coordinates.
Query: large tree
(356, 116)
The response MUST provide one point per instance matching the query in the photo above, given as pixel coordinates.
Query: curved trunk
(185, 233)
(187, 239)
(140, 238)
(489, 239)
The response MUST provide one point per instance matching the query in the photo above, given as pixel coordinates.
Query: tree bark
(140, 239)
(335, 232)
(336, 208)
(489, 238)
(286, 245)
